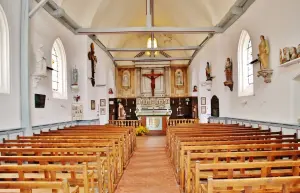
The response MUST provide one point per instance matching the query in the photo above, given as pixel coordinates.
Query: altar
(154, 113)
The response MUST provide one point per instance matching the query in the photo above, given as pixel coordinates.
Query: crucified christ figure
(152, 77)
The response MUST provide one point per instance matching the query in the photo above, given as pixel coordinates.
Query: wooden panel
(187, 104)
(129, 105)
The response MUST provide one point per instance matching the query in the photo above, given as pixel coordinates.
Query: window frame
(60, 92)
(4, 54)
(245, 69)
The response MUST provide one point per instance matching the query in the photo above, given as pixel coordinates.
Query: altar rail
(125, 123)
(174, 122)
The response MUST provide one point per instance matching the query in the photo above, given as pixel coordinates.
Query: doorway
(215, 111)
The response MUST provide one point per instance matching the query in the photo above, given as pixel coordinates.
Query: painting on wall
(102, 102)
(203, 100)
(102, 111)
(203, 109)
(93, 105)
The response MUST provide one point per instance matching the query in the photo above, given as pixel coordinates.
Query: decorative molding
(266, 74)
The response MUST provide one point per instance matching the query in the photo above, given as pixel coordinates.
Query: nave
(149, 169)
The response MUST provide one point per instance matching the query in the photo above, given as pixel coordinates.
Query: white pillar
(24, 73)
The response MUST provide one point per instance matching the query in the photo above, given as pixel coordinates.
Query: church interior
(146, 96)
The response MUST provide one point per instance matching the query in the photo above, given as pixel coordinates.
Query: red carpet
(149, 170)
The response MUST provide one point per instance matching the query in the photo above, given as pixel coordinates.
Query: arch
(4, 54)
(215, 107)
(245, 69)
(59, 73)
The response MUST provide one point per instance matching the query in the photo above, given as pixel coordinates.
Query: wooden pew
(27, 187)
(74, 152)
(253, 185)
(251, 170)
(236, 157)
(228, 148)
(94, 164)
(20, 172)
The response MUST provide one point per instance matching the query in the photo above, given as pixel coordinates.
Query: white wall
(44, 30)
(10, 111)
(278, 22)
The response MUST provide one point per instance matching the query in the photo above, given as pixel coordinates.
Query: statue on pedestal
(208, 72)
(228, 74)
(121, 112)
(263, 58)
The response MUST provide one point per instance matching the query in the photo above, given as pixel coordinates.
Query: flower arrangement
(141, 130)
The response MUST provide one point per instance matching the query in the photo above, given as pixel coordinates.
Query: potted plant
(141, 130)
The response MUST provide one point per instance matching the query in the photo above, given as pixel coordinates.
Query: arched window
(59, 73)
(4, 54)
(245, 69)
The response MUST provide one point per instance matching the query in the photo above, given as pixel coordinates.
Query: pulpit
(154, 114)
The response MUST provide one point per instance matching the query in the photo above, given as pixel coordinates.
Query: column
(24, 72)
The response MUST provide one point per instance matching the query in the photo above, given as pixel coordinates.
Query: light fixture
(151, 44)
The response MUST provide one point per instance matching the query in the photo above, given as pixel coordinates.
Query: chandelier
(151, 43)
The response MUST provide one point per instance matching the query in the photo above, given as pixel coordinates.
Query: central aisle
(149, 170)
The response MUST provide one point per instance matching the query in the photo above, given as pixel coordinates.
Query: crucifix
(152, 77)
(93, 59)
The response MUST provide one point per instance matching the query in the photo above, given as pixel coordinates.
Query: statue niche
(179, 78)
(228, 74)
(126, 79)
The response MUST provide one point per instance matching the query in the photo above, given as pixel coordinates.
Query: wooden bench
(236, 157)
(107, 167)
(249, 170)
(94, 164)
(253, 185)
(27, 187)
(28, 173)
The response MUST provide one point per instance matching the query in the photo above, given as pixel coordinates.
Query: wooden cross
(93, 59)
(152, 77)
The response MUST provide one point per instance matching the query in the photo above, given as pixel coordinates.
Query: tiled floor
(149, 170)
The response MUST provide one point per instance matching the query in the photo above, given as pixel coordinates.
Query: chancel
(140, 96)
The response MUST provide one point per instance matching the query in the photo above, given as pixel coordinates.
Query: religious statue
(208, 72)
(286, 55)
(228, 70)
(195, 89)
(121, 112)
(298, 51)
(110, 91)
(293, 53)
(93, 59)
(195, 112)
(263, 58)
(264, 53)
(228, 74)
(41, 65)
(75, 77)
(179, 78)
(126, 79)
(152, 77)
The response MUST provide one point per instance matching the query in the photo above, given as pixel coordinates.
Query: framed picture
(203, 100)
(203, 109)
(93, 105)
(102, 102)
(102, 111)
